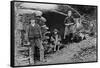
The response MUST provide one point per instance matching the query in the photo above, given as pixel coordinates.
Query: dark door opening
(55, 20)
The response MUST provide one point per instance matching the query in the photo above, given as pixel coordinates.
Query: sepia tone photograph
(53, 33)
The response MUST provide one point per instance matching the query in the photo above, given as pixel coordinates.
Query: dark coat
(69, 20)
(34, 31)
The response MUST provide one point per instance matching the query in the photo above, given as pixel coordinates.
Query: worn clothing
(35, 40)
(68, 28)
(34, 31)
(37, 43)
(69, 20)
(56, 38)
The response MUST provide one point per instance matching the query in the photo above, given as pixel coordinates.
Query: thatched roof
(61, 9)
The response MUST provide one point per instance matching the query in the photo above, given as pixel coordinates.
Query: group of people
(38, 30)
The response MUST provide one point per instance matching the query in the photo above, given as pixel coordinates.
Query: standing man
(35, 36)
(69, 21)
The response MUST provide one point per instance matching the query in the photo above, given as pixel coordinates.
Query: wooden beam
(59, 12)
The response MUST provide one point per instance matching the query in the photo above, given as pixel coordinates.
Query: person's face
(55, 32)
(32, 21)
(69, 13)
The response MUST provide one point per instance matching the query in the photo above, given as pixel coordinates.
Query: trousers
(38, 43)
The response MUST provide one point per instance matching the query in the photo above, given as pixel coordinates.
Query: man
(39, 18)
(56, 38)
(41, 21)
(69, 22)
(35, 36)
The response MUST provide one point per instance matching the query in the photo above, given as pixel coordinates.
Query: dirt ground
(75, 52)
(83, 51)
